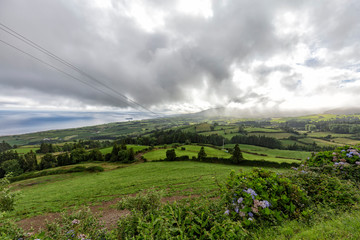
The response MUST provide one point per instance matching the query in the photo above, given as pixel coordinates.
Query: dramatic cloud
(178, 56)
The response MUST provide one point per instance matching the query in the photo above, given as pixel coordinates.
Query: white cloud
(184, 56)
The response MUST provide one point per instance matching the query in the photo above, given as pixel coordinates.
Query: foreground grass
(54, 193)
(337, 226)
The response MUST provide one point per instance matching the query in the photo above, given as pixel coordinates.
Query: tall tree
(115, 153)
(171, 155)
(30, 163)
(202, 154)
(237, 156)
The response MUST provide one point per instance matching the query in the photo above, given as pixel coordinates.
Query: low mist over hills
(345, 111)
(252, 113)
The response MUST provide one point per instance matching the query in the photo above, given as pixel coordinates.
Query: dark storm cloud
(161, 66)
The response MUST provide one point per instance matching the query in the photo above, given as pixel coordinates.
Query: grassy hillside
(54, 193)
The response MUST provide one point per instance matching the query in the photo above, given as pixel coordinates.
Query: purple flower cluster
(340, 161)
(238, 205)
(251, 192)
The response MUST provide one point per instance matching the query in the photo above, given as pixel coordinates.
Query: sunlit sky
(181, 56)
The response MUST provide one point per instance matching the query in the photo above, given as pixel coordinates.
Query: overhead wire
(31, 43)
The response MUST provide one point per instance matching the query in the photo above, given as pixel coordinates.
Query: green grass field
(190, 150)
(287, 142)
(280, 135)
(322, 142)
(346, 141)
(54, 193)
(325, 134)
(135, 147)
(258, 129)
(271, 153)
(344, 225)
(26, 149)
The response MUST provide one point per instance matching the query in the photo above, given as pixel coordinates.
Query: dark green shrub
(12, 166)
(171, 155)
(262, 197)
(94, 169)
(76, 169)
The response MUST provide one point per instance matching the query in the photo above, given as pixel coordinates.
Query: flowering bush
(343, 162)
(78, 225)
(189, 219)
(262, 198)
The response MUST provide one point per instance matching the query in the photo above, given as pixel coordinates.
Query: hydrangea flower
(265, 203)
(240, 200)
(237, 209)
(250, 214)
(227, 212)
(251, 192)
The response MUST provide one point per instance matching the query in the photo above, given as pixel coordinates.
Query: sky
(180, 56)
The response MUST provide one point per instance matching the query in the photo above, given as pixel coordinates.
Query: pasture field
(225, 133)
(287, 142)
(259, 129)
(277, 135)
(306, 140)
(203, 127)
(324, 143)
(128, 146)
(249, 156)
(325, 134)
(56, 192)
(26, 149)
(272, 153)
(190, 150)
(346, 141)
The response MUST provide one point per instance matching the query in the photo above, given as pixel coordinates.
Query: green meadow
(190, 150)
(54, 193)
(136, 148)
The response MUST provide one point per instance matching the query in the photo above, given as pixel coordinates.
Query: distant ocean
(19, 122)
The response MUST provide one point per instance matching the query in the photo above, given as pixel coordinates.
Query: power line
(52, 66)
(66, 63)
